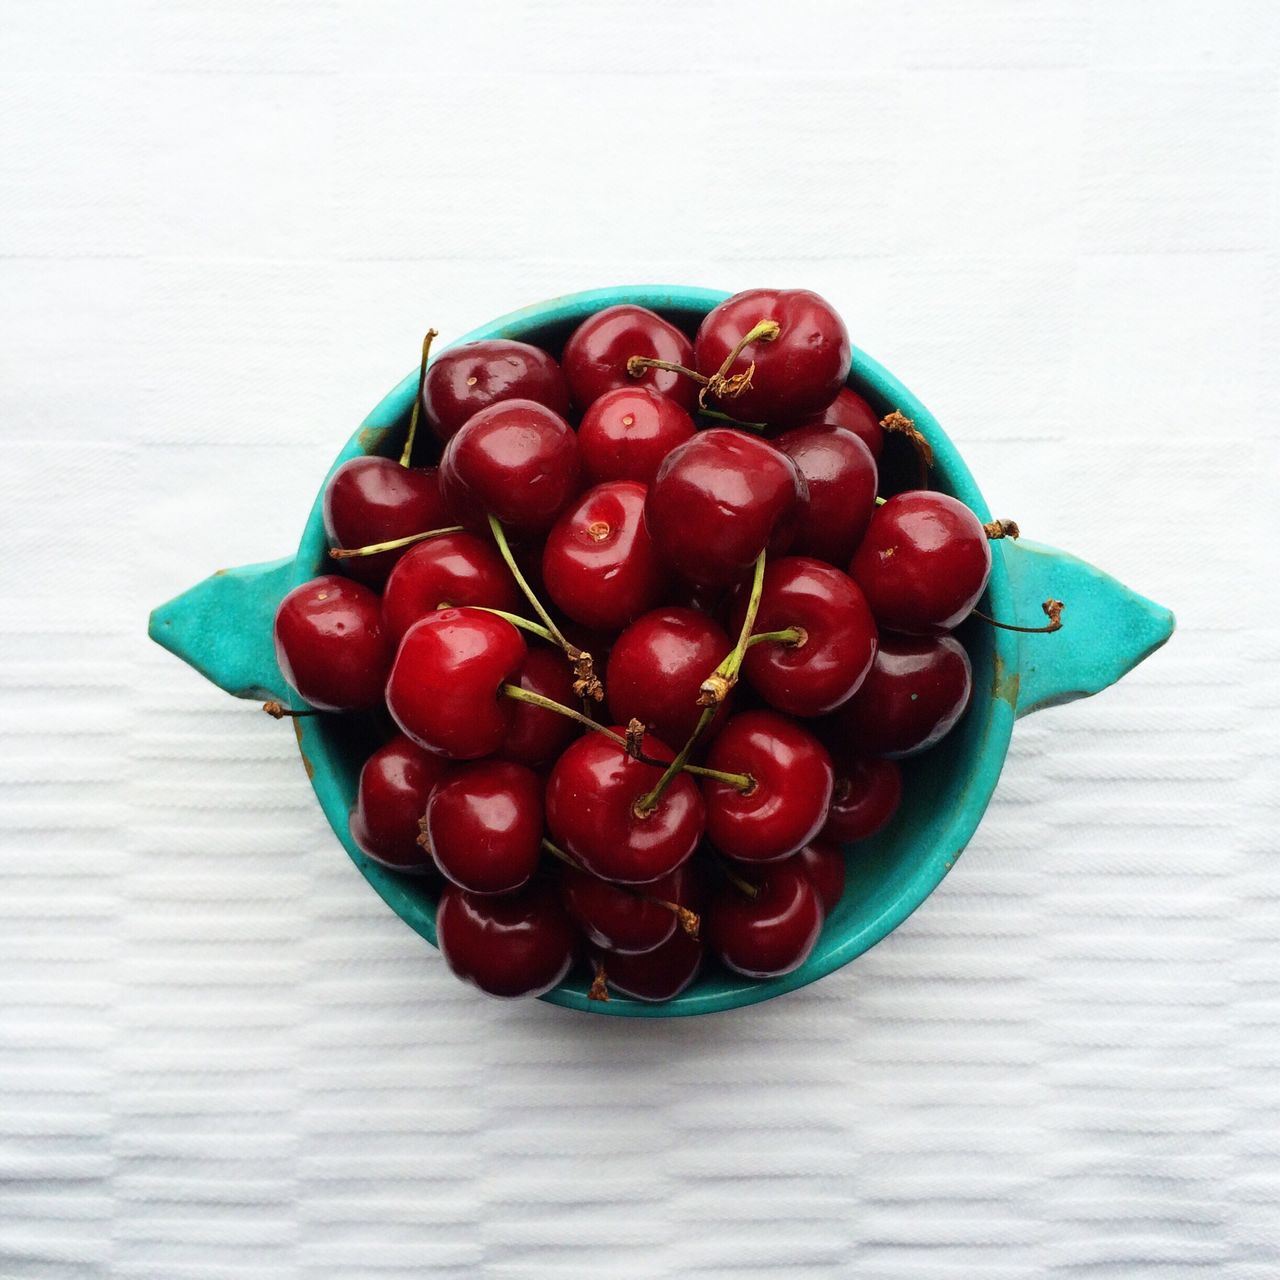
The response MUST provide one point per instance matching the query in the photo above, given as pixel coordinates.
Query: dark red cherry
(598, 564)
(484, 825)
(592, 796)
(824, 865)
(850, 411)
(788, 804)
(918, 687)
(657, 975)
(452, 570)
(626, 434)
(395, 785)
(595, 357)
(867, 793)
(625, 920)
(536, 736)
(923, 564)
(370, 500)
(331, 646)
(841, 476)
(799, 372)
(657, 667)
(516, 460)
(463, 380)
(719, 500)
(444, 685)
(518, 944)
(772, 933)
(815, 671)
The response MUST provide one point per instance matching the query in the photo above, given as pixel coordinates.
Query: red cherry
(395, 784)
(595, 357)
(536, 736)
(484, 824)
(793, 779)
(772, 933)
(463, 380)
(824, 865)
(591, 811)
(842, 478)
(626, 434)
(657, 975)
(797, 373)
(455, 569)
(719, 500)
(816, 672)
(657, 668)
(330, 644)
(924, 562)
(369, 500)
(850, 411)
(598, 563)
(919, 686)
(516, 460)
(625, 920)
(444, 685)
(519, 944)
(866, 796)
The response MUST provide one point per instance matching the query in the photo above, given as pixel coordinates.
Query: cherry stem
(996, 529)
(278, 711)
(792, 637)
(743, 886)
(599, 989)
(524, 624)
(417, 402)
(733, 422)
(1052, 610)
(376, 548)
(900, 424)
(726, 386)
(636, 366)
(881, 501)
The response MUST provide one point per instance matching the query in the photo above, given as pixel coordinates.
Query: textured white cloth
(223, 229)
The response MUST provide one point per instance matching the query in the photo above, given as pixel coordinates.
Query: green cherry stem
(375, 548)
(417, 400)
(733, 422)
(792, 637)
(524, 624)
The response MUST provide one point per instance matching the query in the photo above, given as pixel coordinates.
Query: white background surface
(223, 229)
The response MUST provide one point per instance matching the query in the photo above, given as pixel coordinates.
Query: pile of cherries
(651, 672)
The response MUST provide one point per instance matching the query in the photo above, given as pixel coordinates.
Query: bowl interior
(946, 790)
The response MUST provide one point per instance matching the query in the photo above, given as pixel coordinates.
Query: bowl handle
(1106, 628)
(223, 627)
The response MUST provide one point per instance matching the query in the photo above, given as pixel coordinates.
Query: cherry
(516, 460)
(657, 975)
(918, 687)
(719, 500)
(797, 372)
(657, 667)
(788, 804)
(842, 478)
(592, 798)
(626, 433)
(445, 681)
(598, 563)
(851, 412)
(395, 784)
(372, 500)
(773, 932)
(330, 644)
(519, 944)
(536, 736)
(824, 865)
(826, 637)
(924, 562)
(484, 825)
(595, 357)
(622, 920)
(866, 796)
(455, 569)
(464, 380)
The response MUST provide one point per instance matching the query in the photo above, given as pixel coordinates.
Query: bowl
(223, 628)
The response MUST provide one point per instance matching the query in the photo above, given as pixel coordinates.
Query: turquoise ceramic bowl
(222, 627)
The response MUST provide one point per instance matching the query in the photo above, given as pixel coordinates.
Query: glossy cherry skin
(622, 920)
(484, 825)
(599, 565)
(918, 687)
(657, 667)
(654, 976)
(395, 784)
(824, 865)
(719, 500)
(591, 800)
(595, 358)
(867, 793)
(536, 736)
(627, 432)
(799, 372)
(841, 477)
(516, 460)
(453, 570)
(851, 412)
(463, 380)
(772, 933)
(826, 667)
(517, 944)
(923, 564)
(793, 778)
(370, 500)
(331, 645)
(445, 681)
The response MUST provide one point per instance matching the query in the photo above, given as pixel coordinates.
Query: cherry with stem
(721, 384)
